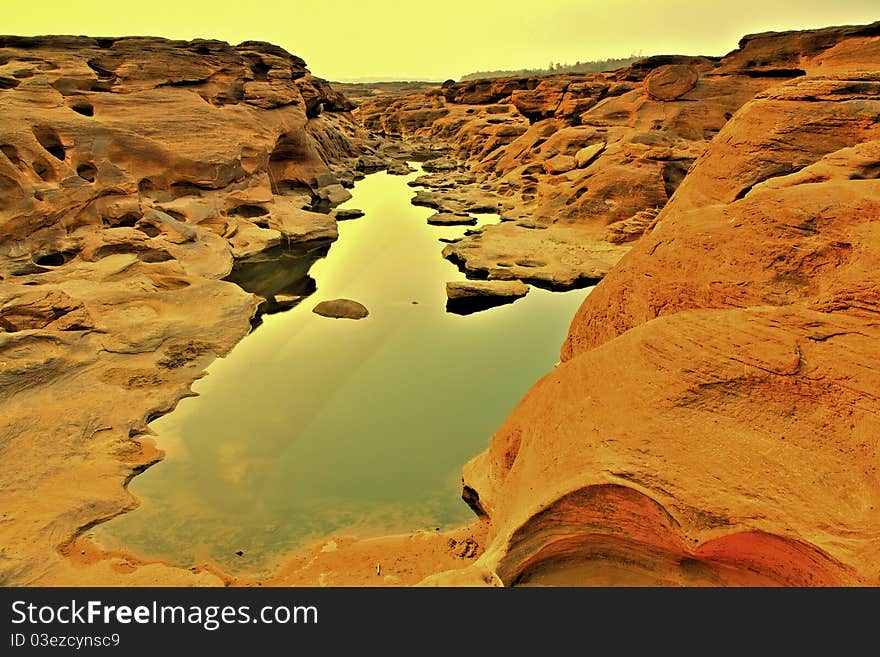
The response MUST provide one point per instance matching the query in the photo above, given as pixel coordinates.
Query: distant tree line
(555, 68)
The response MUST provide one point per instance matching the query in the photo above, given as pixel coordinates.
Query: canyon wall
(579, 166)
(716, 416)
(133, 173)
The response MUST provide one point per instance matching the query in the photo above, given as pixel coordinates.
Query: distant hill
(594, 66)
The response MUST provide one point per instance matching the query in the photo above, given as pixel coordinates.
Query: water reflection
(315, 425)
(279, 275)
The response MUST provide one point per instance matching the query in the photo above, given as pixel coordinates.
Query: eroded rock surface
(133, 173)
(715, 419)
(465, 297)
(588, 157)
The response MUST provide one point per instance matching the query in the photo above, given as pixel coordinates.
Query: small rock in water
(448, 219)
(399, 169)
(287, 300)
(466, 297)
(341, 309)
(344, 214)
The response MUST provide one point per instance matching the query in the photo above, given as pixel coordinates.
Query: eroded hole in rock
(291, 187)
(84, 108)
(673, 173)
(188, 188)
(11, 153)
(259, 69)
(174, 214)
(154, 255)
(868, 172)
(43, 170)
(50, 141)
(105, 42)
(54, 258)
(148, 229)
(250, 211)
(8, 83)
(87, 172)
(143, 254)
(127, 220)
(145, 186)
(574, 197)
(101, 69)
(102, 86)
(170, 282)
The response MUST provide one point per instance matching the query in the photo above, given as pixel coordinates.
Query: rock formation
(133, 174)
(715, 419)
(465, 297)
(586, 159)
(341, 309)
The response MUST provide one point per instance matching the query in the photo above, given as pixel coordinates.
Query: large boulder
(671, 82)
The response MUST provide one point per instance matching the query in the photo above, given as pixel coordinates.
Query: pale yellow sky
(345, 39)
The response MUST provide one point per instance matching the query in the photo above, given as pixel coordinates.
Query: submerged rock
(341, 309)
(466, 297)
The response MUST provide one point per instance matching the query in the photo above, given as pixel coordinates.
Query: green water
(313, 426)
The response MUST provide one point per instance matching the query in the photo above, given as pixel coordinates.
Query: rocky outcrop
(588, 157)
(134, 174)
(715, 416)
(465, 297)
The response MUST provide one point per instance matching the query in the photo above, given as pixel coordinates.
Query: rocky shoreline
(714, 419)
(135, 173)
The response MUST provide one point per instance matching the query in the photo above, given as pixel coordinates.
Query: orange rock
(715, 417)
(671, 82)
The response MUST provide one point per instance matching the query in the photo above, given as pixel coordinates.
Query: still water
(313, 425)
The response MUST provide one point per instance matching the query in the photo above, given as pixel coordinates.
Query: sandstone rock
(249, 240)
(131, 169)
(466, 297)
(556, 257)
(630, 229)
(534, 165)
(370, 163)
(735, 332)
(399, 169)
(439, 164)
(345, 214)
(287, 300)
(445, 219)
(341, 309)
(333, 195)
(297, 225)
(587, 154)
(559, 164)
(36, 310)
(671, 82)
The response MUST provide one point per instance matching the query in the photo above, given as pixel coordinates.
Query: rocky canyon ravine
(313, 425)
(175, 208)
